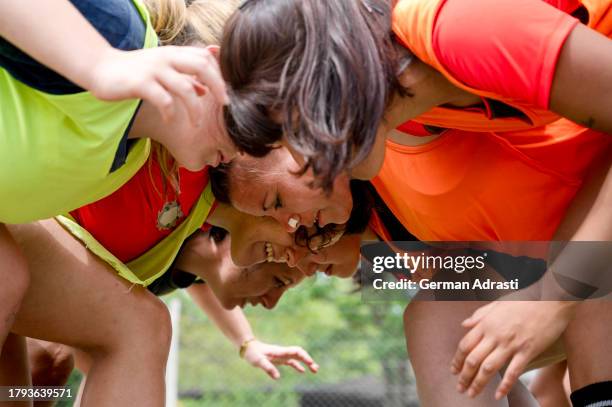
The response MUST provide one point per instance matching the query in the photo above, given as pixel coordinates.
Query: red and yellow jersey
(142, 212)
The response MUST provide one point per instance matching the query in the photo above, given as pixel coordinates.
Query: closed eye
(281, 282)
(278, 283)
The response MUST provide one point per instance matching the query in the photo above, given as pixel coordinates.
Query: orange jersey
(467, 186)
(504, 51)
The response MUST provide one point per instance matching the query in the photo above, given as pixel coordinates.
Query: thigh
(433, 331)
(74, 298)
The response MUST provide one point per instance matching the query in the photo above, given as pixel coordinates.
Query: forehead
(253, 177)
(277, 162)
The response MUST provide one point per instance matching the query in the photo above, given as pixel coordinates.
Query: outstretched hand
(265, 356)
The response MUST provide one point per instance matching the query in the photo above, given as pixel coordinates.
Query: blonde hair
(184, 22)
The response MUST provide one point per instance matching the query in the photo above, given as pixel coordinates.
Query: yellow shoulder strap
(152, 264)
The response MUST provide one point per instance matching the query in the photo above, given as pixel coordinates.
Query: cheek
(245, 257)
(343, 195)
(240, 252)
(254, 286)
(242, 200)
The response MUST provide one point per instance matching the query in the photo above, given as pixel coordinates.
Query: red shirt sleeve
(508, 47)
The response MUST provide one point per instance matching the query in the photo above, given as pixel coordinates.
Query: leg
(14, 369)
(548, 387)
(433, 330)
(15, 280)
(587, 340)
(77, 300)
(520, 396)
(83, 363)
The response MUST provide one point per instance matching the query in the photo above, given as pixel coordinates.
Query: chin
(192, 166)
(230, 304)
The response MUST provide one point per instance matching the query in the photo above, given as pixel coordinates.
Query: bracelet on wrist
(244, 346)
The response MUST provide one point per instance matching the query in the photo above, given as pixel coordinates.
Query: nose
(270, 300)
(338, 215)
(308, 266)
(295, 255)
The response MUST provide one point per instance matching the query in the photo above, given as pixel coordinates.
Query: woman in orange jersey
(479, 187)
(510, 62)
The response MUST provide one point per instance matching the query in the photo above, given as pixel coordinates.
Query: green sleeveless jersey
(56, 151)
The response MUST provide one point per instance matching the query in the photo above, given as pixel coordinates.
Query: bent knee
(158, 324)
(145, 325)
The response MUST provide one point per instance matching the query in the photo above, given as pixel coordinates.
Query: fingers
(160, 98)
(473, 364)
(203, 65)
(314, 367)
(199, 89)
(296, 365)
(515, 369)
(469, 342)
(476, 316)
(183, 87)
(292, 352)
(268, 367)
(266, 356)
(489, 367)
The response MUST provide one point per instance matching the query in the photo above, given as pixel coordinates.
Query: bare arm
(232, 323)
(54, 33)
(589, 218)
(237, 329)
(582, 86)
(65, 42)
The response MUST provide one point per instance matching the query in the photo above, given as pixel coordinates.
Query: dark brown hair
(320, 72)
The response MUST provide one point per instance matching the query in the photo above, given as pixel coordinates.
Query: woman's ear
(214, 50)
